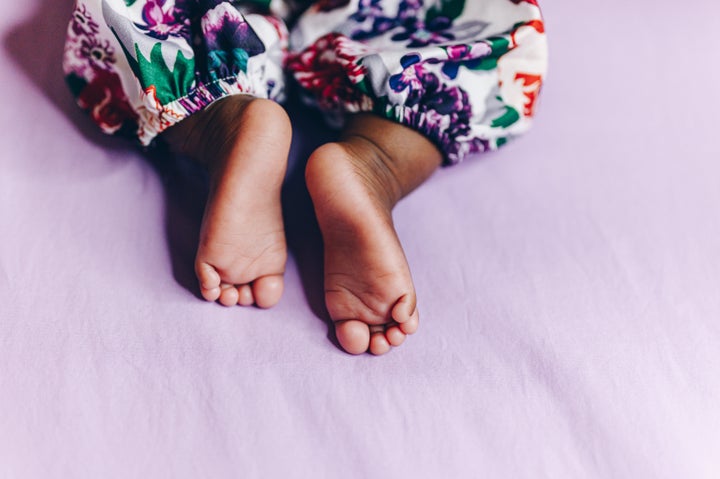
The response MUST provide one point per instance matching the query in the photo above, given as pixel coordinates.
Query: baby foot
(244, 142)
(369, 292)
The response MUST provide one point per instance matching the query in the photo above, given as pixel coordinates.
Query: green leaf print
(130, 3)
(510, 117)
(169, 85)
(264, 3)
(447, 8)
(237, 58)
(499, 46)
(365, 86)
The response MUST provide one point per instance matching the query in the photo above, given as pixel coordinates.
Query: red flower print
(328, 5)
(105, 99)
(330, 69)
(531, 88)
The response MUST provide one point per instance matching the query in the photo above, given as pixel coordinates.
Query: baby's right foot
(244, 142)
(354, 185)
(369, 292)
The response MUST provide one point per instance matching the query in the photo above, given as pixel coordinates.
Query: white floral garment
(465, 73)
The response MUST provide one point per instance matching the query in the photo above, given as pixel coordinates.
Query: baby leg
(196, 72)
(244, 142)
(354, 184)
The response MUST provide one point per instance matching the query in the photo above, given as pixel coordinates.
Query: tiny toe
(210, 294)
(404, 309)
(228, 295)
(412, 324)
(379, 344)
(267, 290)
(209, 280)
(208, 277)
(245, 295)
(353, 336)
(394, 335)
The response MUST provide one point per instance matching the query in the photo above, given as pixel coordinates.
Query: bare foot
(244, 142)
(354, 184)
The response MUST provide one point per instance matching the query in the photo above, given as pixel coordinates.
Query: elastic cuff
(156, 118)
(452, 138)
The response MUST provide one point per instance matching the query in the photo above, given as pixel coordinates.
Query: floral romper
(465, 73)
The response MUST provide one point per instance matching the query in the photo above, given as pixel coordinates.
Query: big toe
(353, 336)
(267, 290)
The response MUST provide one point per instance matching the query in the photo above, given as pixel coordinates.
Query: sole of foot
(369, 291)
(244, 142)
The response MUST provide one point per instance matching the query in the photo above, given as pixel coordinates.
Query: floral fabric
(465, 73)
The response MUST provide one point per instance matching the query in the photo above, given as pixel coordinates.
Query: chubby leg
(354, 184)
(244, 143)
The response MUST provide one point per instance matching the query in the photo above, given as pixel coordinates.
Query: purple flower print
(410, 6)
(367, 9)
(468, 52)
(422, 34)
(229, 42)
(371, 20)
(161, 22)
(98, 53)
(329, 5)
(441, 111)
(227, 29)
(449, 132)
(410, 76)
(469, 56)
(414, 78)
(82, 23)
(408, 9)
(447, 100)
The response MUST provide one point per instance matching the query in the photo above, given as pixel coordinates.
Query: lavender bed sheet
(569, 288)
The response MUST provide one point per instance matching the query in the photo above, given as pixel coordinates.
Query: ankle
(377, 167)
(409, 157)
(202, 135)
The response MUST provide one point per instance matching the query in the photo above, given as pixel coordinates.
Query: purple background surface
(569, 287)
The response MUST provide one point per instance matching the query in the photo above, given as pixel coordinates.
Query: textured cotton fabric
(465, 74)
